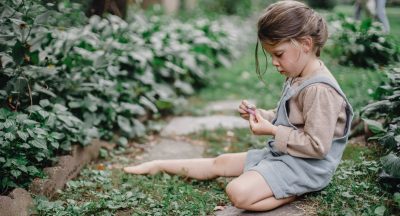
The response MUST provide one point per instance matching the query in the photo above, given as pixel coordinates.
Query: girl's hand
(261, 126)
(245, 109)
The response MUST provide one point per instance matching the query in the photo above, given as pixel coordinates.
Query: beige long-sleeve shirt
(319, 114)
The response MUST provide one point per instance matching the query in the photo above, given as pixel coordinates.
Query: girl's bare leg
(200, 168)
(251, 192)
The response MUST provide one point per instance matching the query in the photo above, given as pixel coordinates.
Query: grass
(111, 192)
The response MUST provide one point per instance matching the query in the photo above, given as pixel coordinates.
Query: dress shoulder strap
(317, 79)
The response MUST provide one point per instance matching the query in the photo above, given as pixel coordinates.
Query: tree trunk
(115, 7)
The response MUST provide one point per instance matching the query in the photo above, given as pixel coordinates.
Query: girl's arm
(322, 106)
(268, 114)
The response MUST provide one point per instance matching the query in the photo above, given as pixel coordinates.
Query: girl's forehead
(276, 47)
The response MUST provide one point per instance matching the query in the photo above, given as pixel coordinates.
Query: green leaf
(9, 123)
(103, 153)
(39, 143)
(38, 88)
(74, 104)
(10, 136)
(34, 108)
(44, 103)
(21, 117)
(380, 210)
(133, 108)
(40, 131)
(30, 122)
(164, 105)
(57, 136)
(347, 194)
(122, 141)
(22, 168)
(391, 164)
(66, 120)
(2, 160)
(140, 129)
(55, 144)
(32, 170)
(396, 197)
(23, 135)
(3, 114)
(25, 146)
(43, 114)
(146, 102)
(15, 173)
(51, 120)
(375, 126)
(125, 125)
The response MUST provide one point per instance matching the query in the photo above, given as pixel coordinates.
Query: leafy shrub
(117, 72)
(31, 141)
(105, 73)
(387, 110)
(362, 43)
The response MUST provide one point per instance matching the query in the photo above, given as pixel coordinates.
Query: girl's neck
(314, 66)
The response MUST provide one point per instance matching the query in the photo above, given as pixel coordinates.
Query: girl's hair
(290, 21)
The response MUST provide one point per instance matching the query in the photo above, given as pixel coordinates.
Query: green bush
(387, 130)
(361, 43)
(31, 141)
(91, 73)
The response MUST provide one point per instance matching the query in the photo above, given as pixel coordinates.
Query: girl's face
(288, 58)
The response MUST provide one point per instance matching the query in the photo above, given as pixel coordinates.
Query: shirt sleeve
(321, 108)
(268, 114)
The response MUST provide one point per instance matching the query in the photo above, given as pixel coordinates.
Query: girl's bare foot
(144, 168)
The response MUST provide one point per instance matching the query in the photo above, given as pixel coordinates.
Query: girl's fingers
(241, 110)
(251, 120)
(258, 115)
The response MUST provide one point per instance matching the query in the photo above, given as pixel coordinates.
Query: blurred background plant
(361, 43)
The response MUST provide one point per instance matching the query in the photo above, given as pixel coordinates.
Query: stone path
(169, 147)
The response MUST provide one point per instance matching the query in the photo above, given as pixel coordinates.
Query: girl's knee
(238, 195)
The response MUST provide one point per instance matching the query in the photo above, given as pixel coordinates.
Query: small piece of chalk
(251, 111)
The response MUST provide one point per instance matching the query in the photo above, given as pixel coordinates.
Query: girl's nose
(275, 62)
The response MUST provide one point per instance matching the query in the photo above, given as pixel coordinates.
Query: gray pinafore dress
(289, 175)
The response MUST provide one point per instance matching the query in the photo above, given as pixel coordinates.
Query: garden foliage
(65, 79)
(362, 43)
(384, 122)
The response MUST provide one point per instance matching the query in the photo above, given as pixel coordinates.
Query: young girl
(310, 125)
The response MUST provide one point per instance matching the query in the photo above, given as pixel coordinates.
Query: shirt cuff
(282, 138)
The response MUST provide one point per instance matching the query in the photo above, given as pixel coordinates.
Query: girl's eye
(278, 54)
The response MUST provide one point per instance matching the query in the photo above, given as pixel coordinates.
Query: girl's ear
(307, 43)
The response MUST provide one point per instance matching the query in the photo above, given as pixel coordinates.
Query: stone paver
(286, 210)
(187, 125)
(172, 149)
(226, 105)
